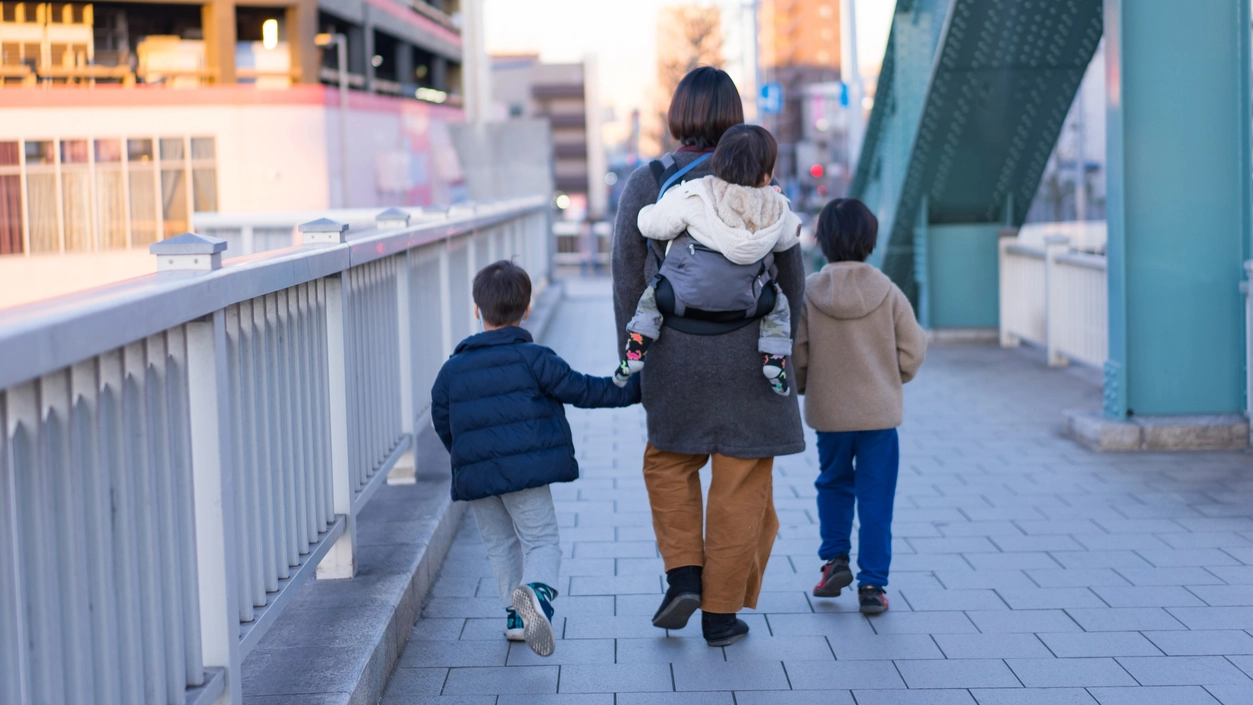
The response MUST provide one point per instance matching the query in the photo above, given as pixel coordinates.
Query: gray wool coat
(703, 394)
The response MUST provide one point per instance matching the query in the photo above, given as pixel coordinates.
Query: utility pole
(752, 55)
(476, 72)
(851, 75)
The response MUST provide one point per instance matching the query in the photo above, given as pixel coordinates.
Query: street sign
(843, 94)
(770, 101)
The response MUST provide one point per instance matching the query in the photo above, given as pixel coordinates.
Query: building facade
(567, 96)
(118, 120)
(800, 50)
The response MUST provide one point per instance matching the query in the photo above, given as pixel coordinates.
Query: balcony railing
(180, 452)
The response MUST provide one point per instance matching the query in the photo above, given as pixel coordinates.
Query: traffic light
(817, 171)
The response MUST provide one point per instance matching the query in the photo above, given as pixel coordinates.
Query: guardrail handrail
(181, 451)
(39, 337)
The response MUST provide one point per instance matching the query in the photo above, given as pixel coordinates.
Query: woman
(704, 397)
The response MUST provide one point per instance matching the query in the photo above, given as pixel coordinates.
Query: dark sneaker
(872, 599)
(835, 577)
(682, 598)
(722, 629)
(533, 602)
(513, 626)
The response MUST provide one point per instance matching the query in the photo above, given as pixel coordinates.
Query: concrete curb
(339, 640)
(1095, 432)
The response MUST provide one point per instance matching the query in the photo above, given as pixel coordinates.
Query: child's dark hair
(745, 155)
(847, 231)
(502, 291)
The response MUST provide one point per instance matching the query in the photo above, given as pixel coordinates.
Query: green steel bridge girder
(971, 99)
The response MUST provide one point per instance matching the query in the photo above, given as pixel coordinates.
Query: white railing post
(213, 487)
(1007, 238)
(406, 467)
(404, 325)
(445, 299)
(472, 268)
(341, 561)
(1054, 316)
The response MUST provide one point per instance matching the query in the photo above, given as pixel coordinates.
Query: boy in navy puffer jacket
(497, 405)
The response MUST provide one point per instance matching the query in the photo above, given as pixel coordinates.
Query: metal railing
(181, 451)
(1055, 298)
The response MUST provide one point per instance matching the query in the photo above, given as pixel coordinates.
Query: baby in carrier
(739, 215)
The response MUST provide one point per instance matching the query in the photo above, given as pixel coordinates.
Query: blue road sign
(843, 94)
(770, 101)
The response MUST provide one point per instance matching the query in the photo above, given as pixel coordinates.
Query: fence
(182, 451)
(1055, 298)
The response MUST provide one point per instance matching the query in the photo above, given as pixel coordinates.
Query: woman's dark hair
(705, 103)
(847, 231)
(745, 155)
(502, 291)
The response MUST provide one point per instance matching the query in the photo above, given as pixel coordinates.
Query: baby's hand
(777, 188)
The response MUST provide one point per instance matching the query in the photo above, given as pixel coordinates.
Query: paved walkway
(1026, 570)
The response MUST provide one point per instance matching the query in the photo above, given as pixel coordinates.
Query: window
(174, 187)
(10, 200)
(142, 178)
(111, 220)
(76, 196)
(43, 217)
(84, 195)
(204, 175)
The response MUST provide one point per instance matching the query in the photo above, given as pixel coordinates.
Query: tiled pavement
(1026, 570)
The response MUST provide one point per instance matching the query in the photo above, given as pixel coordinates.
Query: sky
(622, 33)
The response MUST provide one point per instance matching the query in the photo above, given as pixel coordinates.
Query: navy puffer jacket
(497, 406)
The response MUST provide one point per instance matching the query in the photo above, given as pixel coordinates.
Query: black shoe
(722, 629)
(835, 577)
(872, 599)
(682, 598)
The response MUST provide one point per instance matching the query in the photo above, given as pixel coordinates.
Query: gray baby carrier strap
(705, 280)
(698, 290)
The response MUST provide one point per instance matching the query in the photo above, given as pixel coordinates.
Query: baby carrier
(699, 291)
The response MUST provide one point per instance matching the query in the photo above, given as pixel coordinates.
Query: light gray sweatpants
(523, 543)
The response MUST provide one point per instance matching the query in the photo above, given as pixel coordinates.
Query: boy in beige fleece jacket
(857, 343)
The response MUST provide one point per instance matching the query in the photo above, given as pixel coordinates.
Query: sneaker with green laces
(533, 602)
(513, 626)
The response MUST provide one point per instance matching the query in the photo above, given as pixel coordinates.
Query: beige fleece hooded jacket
(741, 222)
(857, 343)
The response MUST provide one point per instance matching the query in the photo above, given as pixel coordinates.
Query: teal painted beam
(1178, 204)
(971, 98)
(963, 278)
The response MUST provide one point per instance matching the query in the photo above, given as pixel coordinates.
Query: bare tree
(688, 36)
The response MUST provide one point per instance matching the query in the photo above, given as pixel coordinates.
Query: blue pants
(858, 467)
